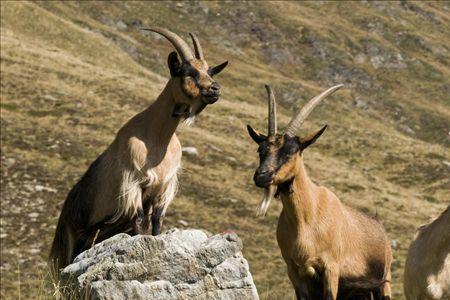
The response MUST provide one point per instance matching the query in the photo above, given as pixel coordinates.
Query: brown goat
(131, 184)
(331, 250)
(427, 267)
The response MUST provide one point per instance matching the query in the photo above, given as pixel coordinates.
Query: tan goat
(133, 181)
(427, 267)
(331, 250)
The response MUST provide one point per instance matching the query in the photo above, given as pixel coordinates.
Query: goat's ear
(217, 69)
(309, 140)
(174, 64)
(255, 135)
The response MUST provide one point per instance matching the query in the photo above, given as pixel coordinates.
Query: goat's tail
(62, 248)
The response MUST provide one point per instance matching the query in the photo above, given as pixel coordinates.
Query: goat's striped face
(197, 82)
(277, 158)
(197, 88)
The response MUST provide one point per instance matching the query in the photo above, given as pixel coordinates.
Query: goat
(131, 184)
(427, 267)
(331, 251)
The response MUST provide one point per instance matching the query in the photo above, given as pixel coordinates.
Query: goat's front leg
(157, 219)
(300, 287)
(138, 221)
(331, 282)
(301, 292)
(161, 202)
(146, 219)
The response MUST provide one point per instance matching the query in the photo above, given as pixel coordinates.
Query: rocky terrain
(73, 72)
(183, 264)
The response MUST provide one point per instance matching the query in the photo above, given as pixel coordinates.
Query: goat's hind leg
(385, 289)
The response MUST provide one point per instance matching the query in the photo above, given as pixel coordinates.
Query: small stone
(50, 97)
(34, 250)
(9, 162)
(190, 151)
(33, 215)
(121, 25)
(407, 129)
(231, 159)
(360, 103)
(232, 200)
(214, 148)
(40, 188)
(394, 244)
(446, 163)
(179, 4)
(183, 222)
(360, 58)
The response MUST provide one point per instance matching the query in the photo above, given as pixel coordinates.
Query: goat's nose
(263, 177)
(263, 172)
(215, 87)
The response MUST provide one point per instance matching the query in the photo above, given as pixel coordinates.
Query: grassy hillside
(73, 73)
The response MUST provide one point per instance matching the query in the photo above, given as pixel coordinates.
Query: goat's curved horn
(301, 114)
(182, 48)
(197, 47)
(272, 111)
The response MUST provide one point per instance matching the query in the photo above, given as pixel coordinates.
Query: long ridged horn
(301, 114)
(197, 47)
(181, 46)
(272, 111)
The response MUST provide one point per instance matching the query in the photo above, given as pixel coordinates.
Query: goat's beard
(194, 110)
(188, 121)
(269, 193)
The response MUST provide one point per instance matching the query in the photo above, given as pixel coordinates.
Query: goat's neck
(299, 201)
(160, 125)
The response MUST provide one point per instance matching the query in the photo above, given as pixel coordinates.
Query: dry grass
(70, 77)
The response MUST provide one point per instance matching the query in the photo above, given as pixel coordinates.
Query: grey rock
(121, 25)
(180, 264)
(381, 57)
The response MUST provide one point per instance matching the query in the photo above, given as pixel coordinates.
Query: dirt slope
(73, 73)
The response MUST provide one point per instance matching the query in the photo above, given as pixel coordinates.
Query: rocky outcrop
(180, 264)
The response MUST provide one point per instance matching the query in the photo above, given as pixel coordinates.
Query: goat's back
(427, 267)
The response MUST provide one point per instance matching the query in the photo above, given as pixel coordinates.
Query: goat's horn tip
(147, 28)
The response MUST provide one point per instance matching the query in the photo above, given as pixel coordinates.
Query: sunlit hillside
(72, 73)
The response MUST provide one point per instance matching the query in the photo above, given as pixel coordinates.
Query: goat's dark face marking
(278, 156)
(197, 88)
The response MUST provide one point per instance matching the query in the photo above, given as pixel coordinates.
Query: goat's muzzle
(212, 94)
(263, 177)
